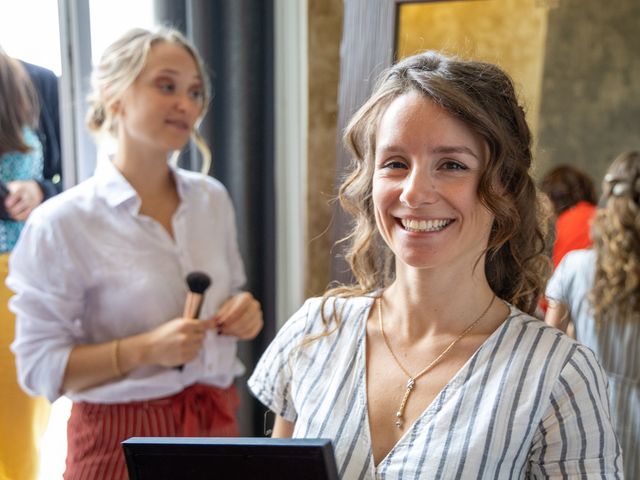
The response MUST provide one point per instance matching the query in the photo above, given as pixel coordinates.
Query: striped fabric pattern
(530, 403)
(616, 344)
(95, 430)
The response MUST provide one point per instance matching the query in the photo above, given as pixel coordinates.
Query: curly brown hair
(616, 230)
(483, 97)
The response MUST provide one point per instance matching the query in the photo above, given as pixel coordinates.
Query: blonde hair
(615, 295)
(120, 65)
(483, 97)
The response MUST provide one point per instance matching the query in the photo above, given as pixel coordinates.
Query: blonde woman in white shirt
(99, 272)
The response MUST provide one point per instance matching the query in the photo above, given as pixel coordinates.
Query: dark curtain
(235, 38)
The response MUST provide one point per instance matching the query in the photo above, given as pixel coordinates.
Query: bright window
(29, 31)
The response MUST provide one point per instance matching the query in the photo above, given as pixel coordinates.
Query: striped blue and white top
(617, 345)
(530, 403)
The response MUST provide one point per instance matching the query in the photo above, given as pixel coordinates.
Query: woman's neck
(430, 302)
(150, 176)
(147, 172)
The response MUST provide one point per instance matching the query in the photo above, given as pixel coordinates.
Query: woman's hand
(176, 342)
(173, 343)
(240, 316)
(24, 196)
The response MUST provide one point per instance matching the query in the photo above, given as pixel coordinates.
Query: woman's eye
(166, 87)
(453, 165)
(196, 94)
(393, 164)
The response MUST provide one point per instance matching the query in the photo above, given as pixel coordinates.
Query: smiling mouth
(413, 225)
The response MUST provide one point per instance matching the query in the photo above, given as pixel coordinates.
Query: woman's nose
(184, 102)
(181, 103)
(419, 189)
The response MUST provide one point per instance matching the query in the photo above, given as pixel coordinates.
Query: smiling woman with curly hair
(430, 365)
(599, 290)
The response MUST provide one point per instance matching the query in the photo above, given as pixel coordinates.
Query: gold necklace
(412, 378)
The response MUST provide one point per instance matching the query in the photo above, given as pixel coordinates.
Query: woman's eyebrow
(174, 73)
(389, 147)
(456, 149)
(169, 71)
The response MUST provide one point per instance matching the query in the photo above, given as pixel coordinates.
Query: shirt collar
(114, 188)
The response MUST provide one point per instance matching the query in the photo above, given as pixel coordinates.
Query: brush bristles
(198, 282)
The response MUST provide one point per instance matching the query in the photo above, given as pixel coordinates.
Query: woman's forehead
(413, 120)
(171, 56)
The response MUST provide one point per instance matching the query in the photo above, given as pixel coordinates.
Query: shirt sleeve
(272, 380)
(238, 276)
(575, 438)
(48, 304)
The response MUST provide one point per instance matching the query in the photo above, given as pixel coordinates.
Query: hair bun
(98, 114)
(95, 117)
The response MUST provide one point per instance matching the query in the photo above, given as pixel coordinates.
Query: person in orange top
(573, 196)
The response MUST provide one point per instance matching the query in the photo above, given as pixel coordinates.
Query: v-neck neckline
(450, 387)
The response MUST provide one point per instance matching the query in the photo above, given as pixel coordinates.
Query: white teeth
(424, 225)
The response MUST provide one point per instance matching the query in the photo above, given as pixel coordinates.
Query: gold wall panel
(510, 33)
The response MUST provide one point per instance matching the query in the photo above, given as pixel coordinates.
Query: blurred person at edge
(573, 197)
(23, 419)
(599, 291)
(99, 271)
(46, 85)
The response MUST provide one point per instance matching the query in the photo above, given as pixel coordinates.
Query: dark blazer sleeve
(46, 84)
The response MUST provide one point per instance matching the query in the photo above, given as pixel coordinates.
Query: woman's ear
(116, 108)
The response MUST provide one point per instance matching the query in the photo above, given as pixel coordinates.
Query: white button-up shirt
(89, 268)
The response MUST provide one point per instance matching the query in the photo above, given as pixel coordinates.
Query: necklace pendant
(403, 404)
(399, 419)
(411, 382)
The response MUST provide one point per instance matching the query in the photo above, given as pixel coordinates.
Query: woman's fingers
(240, 316)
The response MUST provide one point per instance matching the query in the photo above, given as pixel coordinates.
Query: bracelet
(114, 358)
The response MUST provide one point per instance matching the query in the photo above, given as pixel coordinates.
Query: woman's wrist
(115, 358)
(133, 352)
